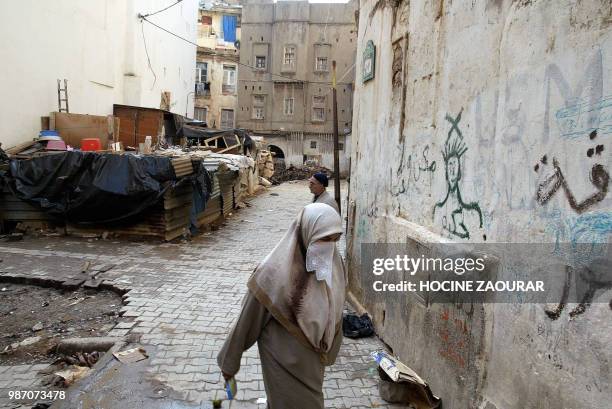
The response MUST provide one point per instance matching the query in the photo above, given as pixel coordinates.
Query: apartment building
(216, 74)
(284, 81)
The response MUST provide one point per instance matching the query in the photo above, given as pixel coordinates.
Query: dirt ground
(28, 311)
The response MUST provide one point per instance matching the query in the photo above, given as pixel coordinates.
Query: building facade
(217, 63)
(284, 85)
(478, 122)
(104, 51)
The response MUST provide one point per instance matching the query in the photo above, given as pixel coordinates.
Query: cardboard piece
(74, 127)
(400, 384)
(131, 355)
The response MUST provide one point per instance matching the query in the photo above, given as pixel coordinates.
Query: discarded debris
(355, 326)
(37, 327)
(72, 374)
(70, 346)
(294, 173)
(131, 355)
(265, 182)
(400, 384)
(82, 359)
(76, 302)
(15, 236)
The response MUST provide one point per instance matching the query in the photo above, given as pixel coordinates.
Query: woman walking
(293, 309)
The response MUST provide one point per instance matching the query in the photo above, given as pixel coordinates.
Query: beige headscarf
(305, 306)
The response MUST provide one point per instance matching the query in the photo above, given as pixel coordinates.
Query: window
(289, 105)
(227, 118)
(202, 89)
(313, 144)
(259, 106)
(321, 64)
(260, 62)
(289, 58)
(229, 79)
(318, 108)
(200, 114)
(258, 113)
(229, 24)
(201, 72)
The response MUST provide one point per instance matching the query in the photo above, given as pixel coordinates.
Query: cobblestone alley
(182, 300)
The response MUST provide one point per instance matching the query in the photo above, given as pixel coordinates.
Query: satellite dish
(237, 44)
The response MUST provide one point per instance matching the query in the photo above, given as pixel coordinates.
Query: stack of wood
(13, 209)
(166, 220)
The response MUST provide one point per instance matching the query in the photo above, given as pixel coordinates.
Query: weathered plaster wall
(98, 47)
(502, 93)
(217, 100)
(303, 25)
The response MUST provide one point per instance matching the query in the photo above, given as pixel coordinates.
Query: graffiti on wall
(586, 109)
(454, 218)
(585, 117)
(411, 169)
(592, 228)
(598, 176)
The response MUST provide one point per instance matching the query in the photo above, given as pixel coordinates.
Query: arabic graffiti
(589, 280)
(599, 178)
(588, 235)
(411, 169)
(454, 149)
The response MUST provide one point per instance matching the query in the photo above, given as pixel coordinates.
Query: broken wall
(473, 106)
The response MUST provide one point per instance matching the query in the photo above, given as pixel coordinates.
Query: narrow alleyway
(183, 300)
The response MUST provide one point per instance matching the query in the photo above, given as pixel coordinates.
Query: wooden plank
(44, 123)
(17, 215)
(18, 148)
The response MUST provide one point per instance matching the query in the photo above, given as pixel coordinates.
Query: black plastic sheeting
(89, 188)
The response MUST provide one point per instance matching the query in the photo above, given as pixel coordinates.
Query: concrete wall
(98, 47)
(526, 84)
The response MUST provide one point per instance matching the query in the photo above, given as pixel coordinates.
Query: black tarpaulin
(88, 187)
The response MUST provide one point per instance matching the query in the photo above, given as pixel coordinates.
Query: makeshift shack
(96, 192)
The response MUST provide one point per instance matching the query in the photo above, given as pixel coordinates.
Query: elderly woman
(293, 309)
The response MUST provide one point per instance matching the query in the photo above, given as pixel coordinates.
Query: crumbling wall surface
(474, 105)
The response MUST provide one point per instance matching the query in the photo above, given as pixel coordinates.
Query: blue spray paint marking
(591, 228)
(584, 117)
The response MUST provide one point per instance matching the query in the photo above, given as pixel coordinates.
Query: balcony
(202, 89)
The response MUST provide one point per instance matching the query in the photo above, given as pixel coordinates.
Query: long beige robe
(326, 198)
(292, 372)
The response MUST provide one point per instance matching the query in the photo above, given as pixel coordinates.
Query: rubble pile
(297, 173)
